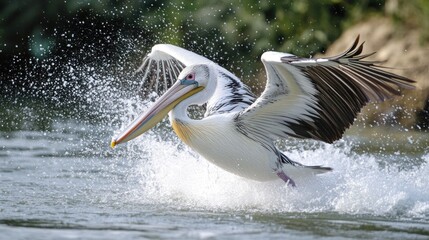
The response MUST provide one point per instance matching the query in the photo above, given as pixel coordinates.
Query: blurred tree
(38, 38)
(410, 14)
(233, 33)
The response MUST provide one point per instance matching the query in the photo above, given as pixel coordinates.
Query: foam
(170, 174)
(173, 175)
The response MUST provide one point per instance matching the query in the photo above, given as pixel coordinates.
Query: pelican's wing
(162, 66)
(317, 98)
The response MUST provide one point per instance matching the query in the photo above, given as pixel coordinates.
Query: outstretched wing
(317, 98)
(161, 68)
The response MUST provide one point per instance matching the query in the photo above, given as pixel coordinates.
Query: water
(60, 180)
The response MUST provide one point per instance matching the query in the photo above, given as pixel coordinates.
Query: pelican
(303, 98)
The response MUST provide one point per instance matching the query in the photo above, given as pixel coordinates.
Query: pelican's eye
(189, 80)
(190, 76)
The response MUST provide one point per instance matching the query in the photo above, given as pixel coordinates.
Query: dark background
(48, 48)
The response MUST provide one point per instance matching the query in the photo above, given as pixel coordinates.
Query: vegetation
(227, 31)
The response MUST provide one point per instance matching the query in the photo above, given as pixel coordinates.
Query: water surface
(60, 180)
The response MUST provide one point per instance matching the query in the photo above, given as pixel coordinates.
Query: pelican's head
(191, 80)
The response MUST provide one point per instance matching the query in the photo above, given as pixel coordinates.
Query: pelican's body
(304, 98)
(216, 132)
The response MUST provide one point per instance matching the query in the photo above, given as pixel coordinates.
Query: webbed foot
(286, 179)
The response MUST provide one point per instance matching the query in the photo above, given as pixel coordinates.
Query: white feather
(306, 98)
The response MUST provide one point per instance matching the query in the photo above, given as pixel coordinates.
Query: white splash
(173, 175)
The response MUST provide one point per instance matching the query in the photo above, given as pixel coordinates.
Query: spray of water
(173, 175)
(170, 174)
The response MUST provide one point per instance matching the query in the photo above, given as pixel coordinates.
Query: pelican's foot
(285, 178)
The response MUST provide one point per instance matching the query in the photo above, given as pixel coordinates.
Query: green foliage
(233, 33)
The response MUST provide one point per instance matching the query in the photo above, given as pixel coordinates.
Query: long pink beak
(157, 112)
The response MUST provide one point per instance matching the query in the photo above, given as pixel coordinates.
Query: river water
(60, 180)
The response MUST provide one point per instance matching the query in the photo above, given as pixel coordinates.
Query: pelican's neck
(181, 122)
(180, 112)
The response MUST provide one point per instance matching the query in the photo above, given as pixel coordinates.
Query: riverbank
(403, 51)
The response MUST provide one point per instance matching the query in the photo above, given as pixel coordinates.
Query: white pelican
(303, 98)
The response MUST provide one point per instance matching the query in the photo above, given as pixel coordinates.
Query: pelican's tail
(318, 169)
(299, 170)
(291, 169)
